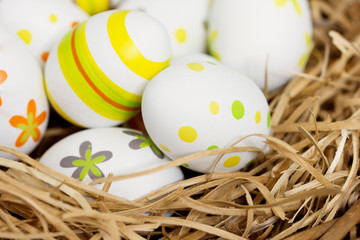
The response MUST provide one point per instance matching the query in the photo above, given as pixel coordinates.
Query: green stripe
(81, 88)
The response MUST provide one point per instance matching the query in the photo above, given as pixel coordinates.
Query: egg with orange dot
(184, 20)
(197, 106)
(96, 75)
(24, 110)
(40, 23)
(273, 46)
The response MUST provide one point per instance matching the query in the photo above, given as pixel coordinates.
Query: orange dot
(3, 76)
(74, 24)
(0, 101)
(44, 56)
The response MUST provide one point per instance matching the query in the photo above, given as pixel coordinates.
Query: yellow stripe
(108, 87)
(58, 108)
(127, 50)
(81, 88)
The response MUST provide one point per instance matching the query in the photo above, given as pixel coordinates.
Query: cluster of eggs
(105, 62)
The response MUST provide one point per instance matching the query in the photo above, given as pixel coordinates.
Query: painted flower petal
(84, 172)
(41, 118)
(76, 173)
(280, 3)
(132, 133)
(98, 159)
(36, 134)
(297, 7)
(95, 172)
(31, 108)
(67, 162)
(80, 163)
(157, 152)
(82, 149)
(21, 140)
(16, 120)
(107, 155)
(135, 144)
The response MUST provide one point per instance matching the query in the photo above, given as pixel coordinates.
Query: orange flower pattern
(29, 125)
(3, 77)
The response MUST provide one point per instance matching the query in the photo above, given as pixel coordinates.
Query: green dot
(268, 119)
(212, 147)
(237, 109)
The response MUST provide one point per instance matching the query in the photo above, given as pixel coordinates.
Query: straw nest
(306, 187)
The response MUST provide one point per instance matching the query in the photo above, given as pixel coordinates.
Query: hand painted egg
(24, 110)
(184, 20)
(40, 23)
(95, 77)
(94, 153)
(276, 36)
(198, 106)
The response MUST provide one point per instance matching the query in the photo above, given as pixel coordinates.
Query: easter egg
(199, 106)
(95, 153)
(95, 77)
(276, 37)
(24, 110)
(184, 20)
(40, 23)
(95, 6)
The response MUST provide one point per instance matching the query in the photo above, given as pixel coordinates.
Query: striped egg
(95, 77)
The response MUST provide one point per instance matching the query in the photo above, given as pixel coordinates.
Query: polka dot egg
(184, 20)
(95, 77)
(276, 37)
(40, 23)
(198, 106)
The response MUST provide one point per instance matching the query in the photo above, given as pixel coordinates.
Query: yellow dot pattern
(257, 117)
(166, 149)
(187, 134)
(232, 161)
(25, 35)
(180, 35)
(197, 67)
(53, 18)
(214, 108)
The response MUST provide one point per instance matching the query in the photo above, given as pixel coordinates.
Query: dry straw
(306, 187)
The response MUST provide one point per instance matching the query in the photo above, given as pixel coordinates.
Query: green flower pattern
(86, 163)
(309, 45)
(143, 141)
(282, 3)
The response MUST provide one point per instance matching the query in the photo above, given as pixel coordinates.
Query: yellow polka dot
(180, 35)
(187, 134)
(232, 161)
(53, 18)
(214, 107)
(165, 148)
(25, 35)
(197, 67)
(257, 117)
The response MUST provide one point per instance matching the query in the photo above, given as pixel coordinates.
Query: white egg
(96, 76)
(24, 110)
(183, 19)
(193, 58)
(40, 23)
(250, 38)
(94, 153)
(197, 106)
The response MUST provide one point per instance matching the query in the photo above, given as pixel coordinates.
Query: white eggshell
(185, 59)
(95, 77)
(247, 37)
(197, 106)
(184, 20)
(40, 23)
(24, 110)
(115, 150)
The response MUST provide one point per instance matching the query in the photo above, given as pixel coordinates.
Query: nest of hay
(306, 187)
